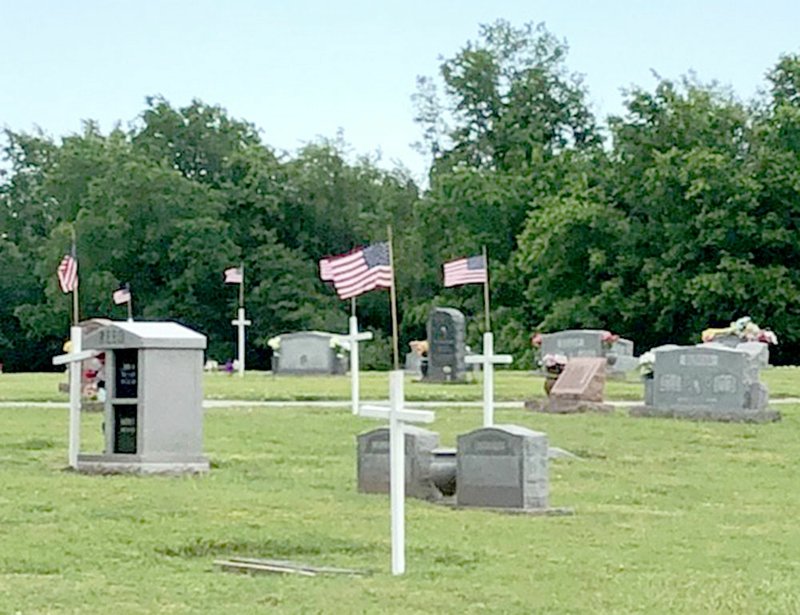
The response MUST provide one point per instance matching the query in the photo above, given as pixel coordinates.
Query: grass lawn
(509, 386)
(671, 517)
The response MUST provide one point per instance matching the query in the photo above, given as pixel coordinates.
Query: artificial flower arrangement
(743, 328)
(646, 362)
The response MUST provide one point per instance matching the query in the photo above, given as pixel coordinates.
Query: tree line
(679, 214)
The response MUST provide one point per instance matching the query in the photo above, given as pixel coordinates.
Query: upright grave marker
(398, 416)
(353, 338)
(710, 382)
(488, 359)
(235, 275)
(374, 463)
(504, 466)
(154, 405)
(446, 346)
(240, 323)
(74, 358)
(307, 352)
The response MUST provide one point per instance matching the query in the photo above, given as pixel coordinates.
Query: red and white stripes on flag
(360, 271)
(325, 269)
(470, 270)
(234, 275)
(122, 295)
(68, 273)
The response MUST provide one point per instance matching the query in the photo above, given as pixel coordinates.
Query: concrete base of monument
(137, 464)
(530, 512)
(733, 415)
(567, 407)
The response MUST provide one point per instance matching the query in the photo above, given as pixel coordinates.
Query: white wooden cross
(354, 337)
(488, 359)
(241, 323)
(74, 358)
(398, 416)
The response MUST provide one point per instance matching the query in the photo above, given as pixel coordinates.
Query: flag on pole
(362, 270)
(122, 295)
(470, 270)
(234, 275)
(325, 273)
(68, 273)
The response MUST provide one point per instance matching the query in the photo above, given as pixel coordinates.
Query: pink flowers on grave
(609, 338)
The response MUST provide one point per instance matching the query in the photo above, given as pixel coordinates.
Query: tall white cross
(488, 359)
(241, 323)
(398, 416)
(74, 358)
(354, 337)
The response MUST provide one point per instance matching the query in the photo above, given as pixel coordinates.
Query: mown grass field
(671, 517)
(510, 385)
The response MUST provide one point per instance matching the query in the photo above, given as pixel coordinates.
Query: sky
(301, 70)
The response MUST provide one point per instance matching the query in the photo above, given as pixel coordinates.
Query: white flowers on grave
(274, 343)
(646, 362)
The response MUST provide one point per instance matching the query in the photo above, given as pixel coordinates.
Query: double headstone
(308, 352)
(589, 343)
(446, 346)
(709, 382)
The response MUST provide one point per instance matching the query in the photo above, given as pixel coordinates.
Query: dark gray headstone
(708, 381)
(574, 343)
(504, 466)
(446, 346)
(373, 462)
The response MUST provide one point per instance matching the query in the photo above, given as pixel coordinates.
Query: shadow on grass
(305, 546)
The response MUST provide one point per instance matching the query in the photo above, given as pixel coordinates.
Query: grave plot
(579, 388)
(707, 382)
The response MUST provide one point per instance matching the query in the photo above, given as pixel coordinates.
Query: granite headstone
(373, 462)
(709, 381)
(504, 466)
(446, 346)
(308, 352)
(579, 388)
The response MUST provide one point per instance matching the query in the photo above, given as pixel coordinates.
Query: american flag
(470, 270)
(325, 269)
(68, 273)
(359, 271)
(234, 275)
(122, 295)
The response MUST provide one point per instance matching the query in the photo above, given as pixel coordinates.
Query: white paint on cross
(241, 323)
(353, 338)
(74, 358)
(488, 359)
(398, 416)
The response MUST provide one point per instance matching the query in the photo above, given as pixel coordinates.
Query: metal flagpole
(486, 290)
